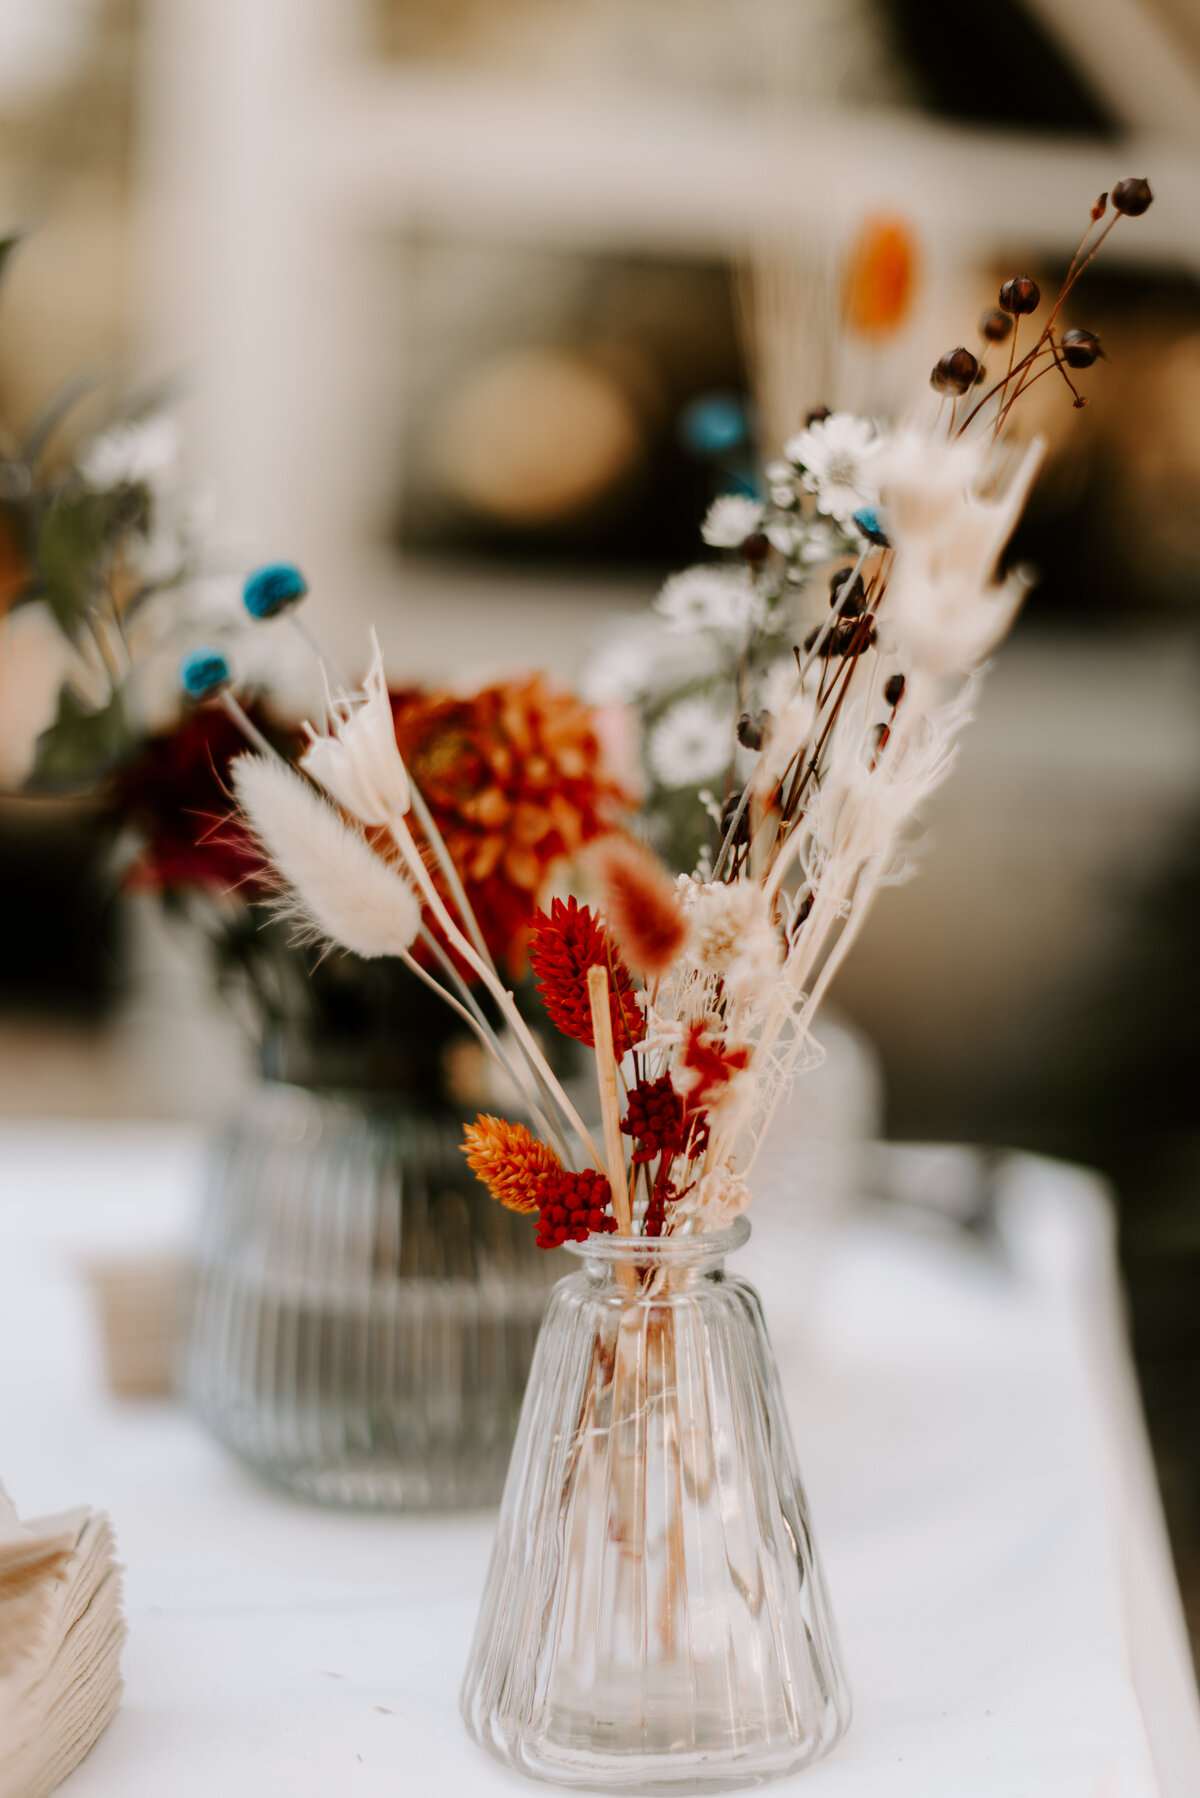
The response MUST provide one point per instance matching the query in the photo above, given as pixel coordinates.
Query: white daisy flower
(690, 743)
(622, 670)
(730, 519)
(710, 598)
(135, 453)
(784, 536)
(838, 456)
(824, 542)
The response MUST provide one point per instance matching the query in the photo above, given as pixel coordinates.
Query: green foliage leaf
(82, 746)
(69, 543)
(74, 534)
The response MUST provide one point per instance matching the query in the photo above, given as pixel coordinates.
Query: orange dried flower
(881, 278)
(514, 1166)
(641, 905)
(564, 945)
(516, 780)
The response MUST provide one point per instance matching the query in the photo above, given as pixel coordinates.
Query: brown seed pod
(1020, 295)
(1132, 196)
(1080, 348)
(995, 325)
(752, 729)
(954, 372)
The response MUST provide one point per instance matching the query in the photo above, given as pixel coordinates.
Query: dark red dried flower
(574, 1207)
(565, 943)
(663, 1195)
(995, 326)
(654, 1119)
(175, 794)
(662, 1123)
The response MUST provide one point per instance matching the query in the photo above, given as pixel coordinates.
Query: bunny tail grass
(340, 887)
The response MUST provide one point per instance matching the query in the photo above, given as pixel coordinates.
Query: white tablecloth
(969, 1434)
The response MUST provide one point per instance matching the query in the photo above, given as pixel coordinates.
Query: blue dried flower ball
(713, 423)
(272, 589)
(203, 672)
(870, 523)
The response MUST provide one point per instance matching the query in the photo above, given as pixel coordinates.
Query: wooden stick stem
(610, 1110)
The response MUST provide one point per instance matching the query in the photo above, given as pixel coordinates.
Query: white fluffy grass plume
(341, 888)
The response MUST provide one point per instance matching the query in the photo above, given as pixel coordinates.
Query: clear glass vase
(655, 1615)
(365, 1313)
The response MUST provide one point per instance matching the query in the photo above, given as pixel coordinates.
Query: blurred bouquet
(104, 563)
(517, 777)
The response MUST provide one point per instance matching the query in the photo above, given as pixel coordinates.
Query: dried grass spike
(641, 906)
(339, 887)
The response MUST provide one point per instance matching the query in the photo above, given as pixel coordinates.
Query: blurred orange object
(881, 278)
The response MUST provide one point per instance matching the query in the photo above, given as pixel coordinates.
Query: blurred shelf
(478, 153)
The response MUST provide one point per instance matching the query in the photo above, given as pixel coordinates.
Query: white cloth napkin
(61, 1633)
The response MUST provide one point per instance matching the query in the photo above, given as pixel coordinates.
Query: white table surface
(967, 1426)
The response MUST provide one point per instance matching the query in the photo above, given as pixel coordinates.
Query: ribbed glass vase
(655, 1615)
(365, 1313)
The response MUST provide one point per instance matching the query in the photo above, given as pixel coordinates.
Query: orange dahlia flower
(516, 779)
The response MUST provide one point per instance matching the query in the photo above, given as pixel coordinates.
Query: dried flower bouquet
(655, 1614)
(699, 994)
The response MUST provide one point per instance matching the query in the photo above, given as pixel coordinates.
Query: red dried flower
(664, 1194)
(654, 1119)
(641, 906)
(175, 794)
(564, 945)
(662, 1123)
(526, 1175)
(710, 1065)
(574, 1207)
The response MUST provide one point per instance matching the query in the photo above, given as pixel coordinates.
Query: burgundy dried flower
(574, 1207)
(654, 1118)
(995, 326)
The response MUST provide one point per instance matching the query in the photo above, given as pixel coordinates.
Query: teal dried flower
(273, 589)
(203, 673)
